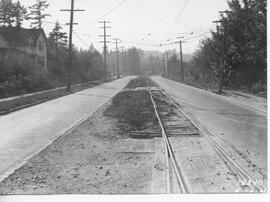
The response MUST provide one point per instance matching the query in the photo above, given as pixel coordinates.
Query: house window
(3, 52)
(41, 61)
(41, 46)
(31, 44)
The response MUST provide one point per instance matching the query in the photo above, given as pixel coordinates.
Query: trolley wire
(107, 13)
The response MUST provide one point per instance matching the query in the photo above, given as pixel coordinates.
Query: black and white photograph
(133, 97)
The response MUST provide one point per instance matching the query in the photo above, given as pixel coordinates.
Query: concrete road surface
(27, 131)
(236, 122)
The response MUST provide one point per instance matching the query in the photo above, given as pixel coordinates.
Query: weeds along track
(164, 106)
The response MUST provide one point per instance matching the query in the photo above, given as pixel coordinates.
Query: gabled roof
(17, 36)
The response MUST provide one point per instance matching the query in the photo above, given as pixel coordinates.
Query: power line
(139, 43)
(193, 37)
(81, 39)
(107, 13)
(180, 13)
(202, 34)
(160, 20)
(190, 33)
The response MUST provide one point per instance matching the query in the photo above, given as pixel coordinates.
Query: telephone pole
(164, 67)
(117, 57)
(224, 59)
(168, 71)
(105, 45)
(72, 10)
(142, 62)
(122, 47)
(181, 58)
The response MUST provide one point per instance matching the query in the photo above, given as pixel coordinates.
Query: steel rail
(179, 175)
(167, 166)
(168, 181)
(221, 152)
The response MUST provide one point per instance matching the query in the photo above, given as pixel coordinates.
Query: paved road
(244, 127)
(25, 132)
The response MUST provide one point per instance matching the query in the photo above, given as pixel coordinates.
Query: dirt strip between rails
(119, 150)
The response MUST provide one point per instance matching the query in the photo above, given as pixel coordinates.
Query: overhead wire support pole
(223, 65)
(182, 63)
(122, 47)
(181, 58)
(164, 67)
(224, 60)
(168, 71)
(117, 41)
(142, 62)
(72, 10)
(105, 45)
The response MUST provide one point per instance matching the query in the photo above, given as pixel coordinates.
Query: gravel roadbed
(96, 158)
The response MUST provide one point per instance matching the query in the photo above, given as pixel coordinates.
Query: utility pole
(142, 62)
(181, 58)
(164, 67)
(105, 45)
(72, 10)
(168, 71)
(122, 47)
(117, 57)
(224, 59)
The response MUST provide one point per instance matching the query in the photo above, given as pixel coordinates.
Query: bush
(258, 87)
(18, 75)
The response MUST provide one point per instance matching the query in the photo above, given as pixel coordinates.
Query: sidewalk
(25, 132)
(249, 100)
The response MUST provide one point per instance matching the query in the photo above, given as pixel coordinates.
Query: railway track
(169, 154)
(170, 127)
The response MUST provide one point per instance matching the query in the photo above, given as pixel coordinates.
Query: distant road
(24, 132)
(244, 127)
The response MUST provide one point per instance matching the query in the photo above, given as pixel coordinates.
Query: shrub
(258, 87)
(18, 75)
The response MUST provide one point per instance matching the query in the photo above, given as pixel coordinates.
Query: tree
(37, 13)
(57, 39)
(11, 13)
(19, 13)
(89, 65)
(245, 60)
(247, 41)
(6, 13)
(134, 61)
(57, 36)
(154, 64)
(173, 67)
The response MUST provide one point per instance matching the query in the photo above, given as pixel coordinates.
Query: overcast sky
(140, 23)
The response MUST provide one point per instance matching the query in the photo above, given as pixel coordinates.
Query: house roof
(17, 36)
